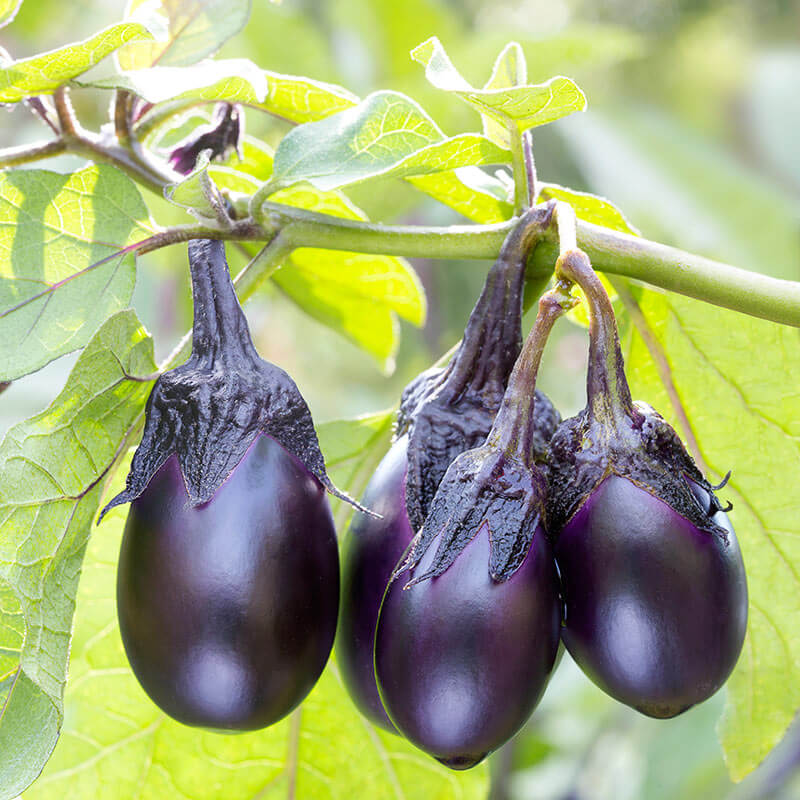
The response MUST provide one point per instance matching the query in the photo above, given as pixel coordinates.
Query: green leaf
(509, 70)
(386, 135)
(8, 10)
(44, 73)
(197, 193)
(244, 175)
(299, 100)
(353, 449)
(470, 191)
(195, 29)
(236, 80)
(745, 415)
(52, 470)
(589, 207)
(522, 107)
(116, 745)
(62, 273)
(355, 294)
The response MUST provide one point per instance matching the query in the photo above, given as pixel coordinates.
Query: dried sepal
(613, 434)
(209, 410)
(483, 486)
(448, 410)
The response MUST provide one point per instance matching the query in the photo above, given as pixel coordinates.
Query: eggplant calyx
(209, 410)
(449, 410)
(481, 487)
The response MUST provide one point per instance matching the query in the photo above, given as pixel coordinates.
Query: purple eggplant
(371, 552)
(227, 610)
(468, 630)
(443, 413)
(656, 607)
(463, 659)
(653, 580)
(228, 581)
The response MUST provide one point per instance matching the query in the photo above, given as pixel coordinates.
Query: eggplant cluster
(504, 530)
(491, 532)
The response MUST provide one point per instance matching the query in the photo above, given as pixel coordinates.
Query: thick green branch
(617, 253)
(610, 251)
(684, 273)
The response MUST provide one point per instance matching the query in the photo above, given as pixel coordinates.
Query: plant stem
(260, 267)
(26, 153)
(513, 426)
(684, 273)
(65, 113)
(607, 391)
(610, 251)
(122, 116)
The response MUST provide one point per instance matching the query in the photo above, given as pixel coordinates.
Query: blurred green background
(692, 129)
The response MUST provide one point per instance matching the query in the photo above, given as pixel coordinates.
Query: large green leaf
(520, 107)
(355, 294)
(195, 29)
(237, 80)
(735, 376)
(62, 273)
(44, 73)
(52, 470)
(116, 745)
(386, 135)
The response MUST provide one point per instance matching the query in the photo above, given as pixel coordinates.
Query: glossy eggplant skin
(656, 609)
(461, 660)
(371, 551)
(228, 610)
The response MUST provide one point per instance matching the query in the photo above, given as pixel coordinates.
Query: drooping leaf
(195, 29)
(52, 470)
(522, 107)
(61, 272)
(8, 10)
(745, 415)
(386, 135)
(236, 80)
(352, 449)
(44, 73)
(117, 745)
(355, 294)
